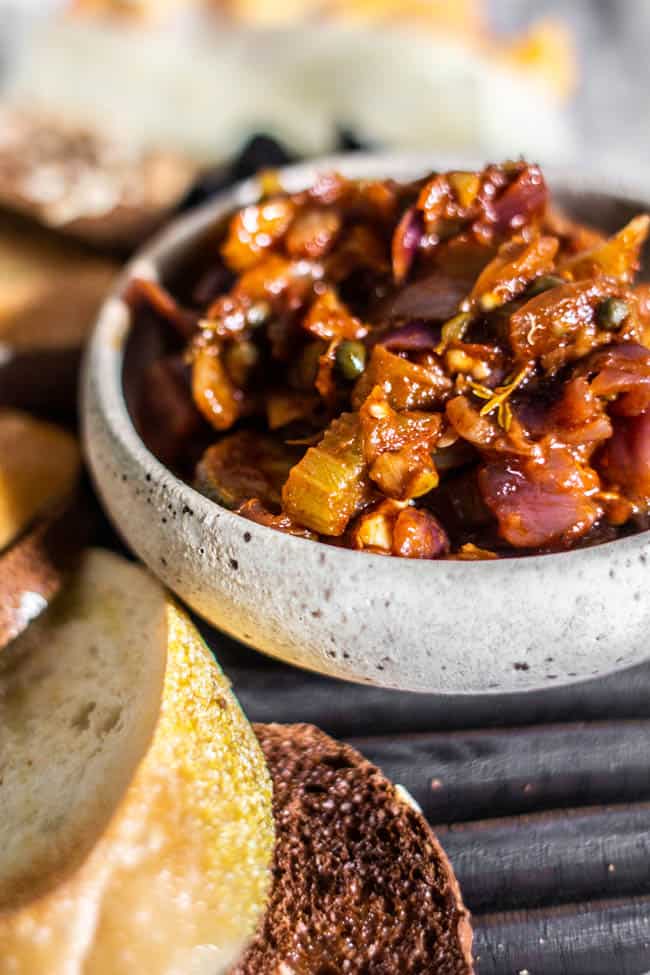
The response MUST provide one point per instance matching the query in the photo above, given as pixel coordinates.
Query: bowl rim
(105, 351)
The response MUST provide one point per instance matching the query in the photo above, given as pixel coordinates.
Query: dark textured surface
(546, 859)
(603, 938)
(470, 775)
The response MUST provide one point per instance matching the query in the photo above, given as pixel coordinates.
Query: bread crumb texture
(361, 884)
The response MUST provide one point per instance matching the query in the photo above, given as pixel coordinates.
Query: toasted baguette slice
(50, 291)
(361, 884)
(135, 806)
(39, 467)
(43, 521)
(50, 288)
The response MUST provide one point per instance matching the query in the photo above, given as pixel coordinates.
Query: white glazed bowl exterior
(508, 625)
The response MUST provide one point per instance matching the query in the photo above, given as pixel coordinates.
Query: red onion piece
(434, 297)
(540, 504)
(142, 291)
(524, 199)
(624, 461)
(621, 370)
(406, 241)
(413, 337)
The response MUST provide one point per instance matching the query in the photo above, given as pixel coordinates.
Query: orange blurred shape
(545, 52)
(465, 16)
(154, 9)
(462, 16)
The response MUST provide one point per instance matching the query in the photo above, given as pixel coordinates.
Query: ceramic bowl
(508, 625)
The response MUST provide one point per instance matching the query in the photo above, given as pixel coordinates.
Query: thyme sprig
(497, 399)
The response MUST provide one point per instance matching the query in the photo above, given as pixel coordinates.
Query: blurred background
(558, 81)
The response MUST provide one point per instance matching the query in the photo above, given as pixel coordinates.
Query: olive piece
(611, 313)
(351, 359)
(544, 283)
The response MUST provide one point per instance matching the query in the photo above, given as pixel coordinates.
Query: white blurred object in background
(204, 95)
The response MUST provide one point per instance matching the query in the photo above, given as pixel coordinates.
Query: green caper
(611, 314)
(454, 330)
(351, 359)
(544, 283)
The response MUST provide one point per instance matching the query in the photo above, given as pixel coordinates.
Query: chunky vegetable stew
(450, 368)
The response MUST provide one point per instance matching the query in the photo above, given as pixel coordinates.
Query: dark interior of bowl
(181, 267)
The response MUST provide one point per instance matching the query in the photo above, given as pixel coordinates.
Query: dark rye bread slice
(361, 885)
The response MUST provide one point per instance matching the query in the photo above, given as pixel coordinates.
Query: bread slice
(50, 289)
(85, 182)
(39, 467)
(135, 806)
(361, 884)
(50, 292)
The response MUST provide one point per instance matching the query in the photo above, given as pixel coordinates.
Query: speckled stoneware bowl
(508, 625)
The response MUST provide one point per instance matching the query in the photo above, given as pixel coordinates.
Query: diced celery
(329, 485)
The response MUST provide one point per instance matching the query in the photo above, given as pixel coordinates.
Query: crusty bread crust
(150, 853)
(36, 567)
(40, 464)
(361, 884)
